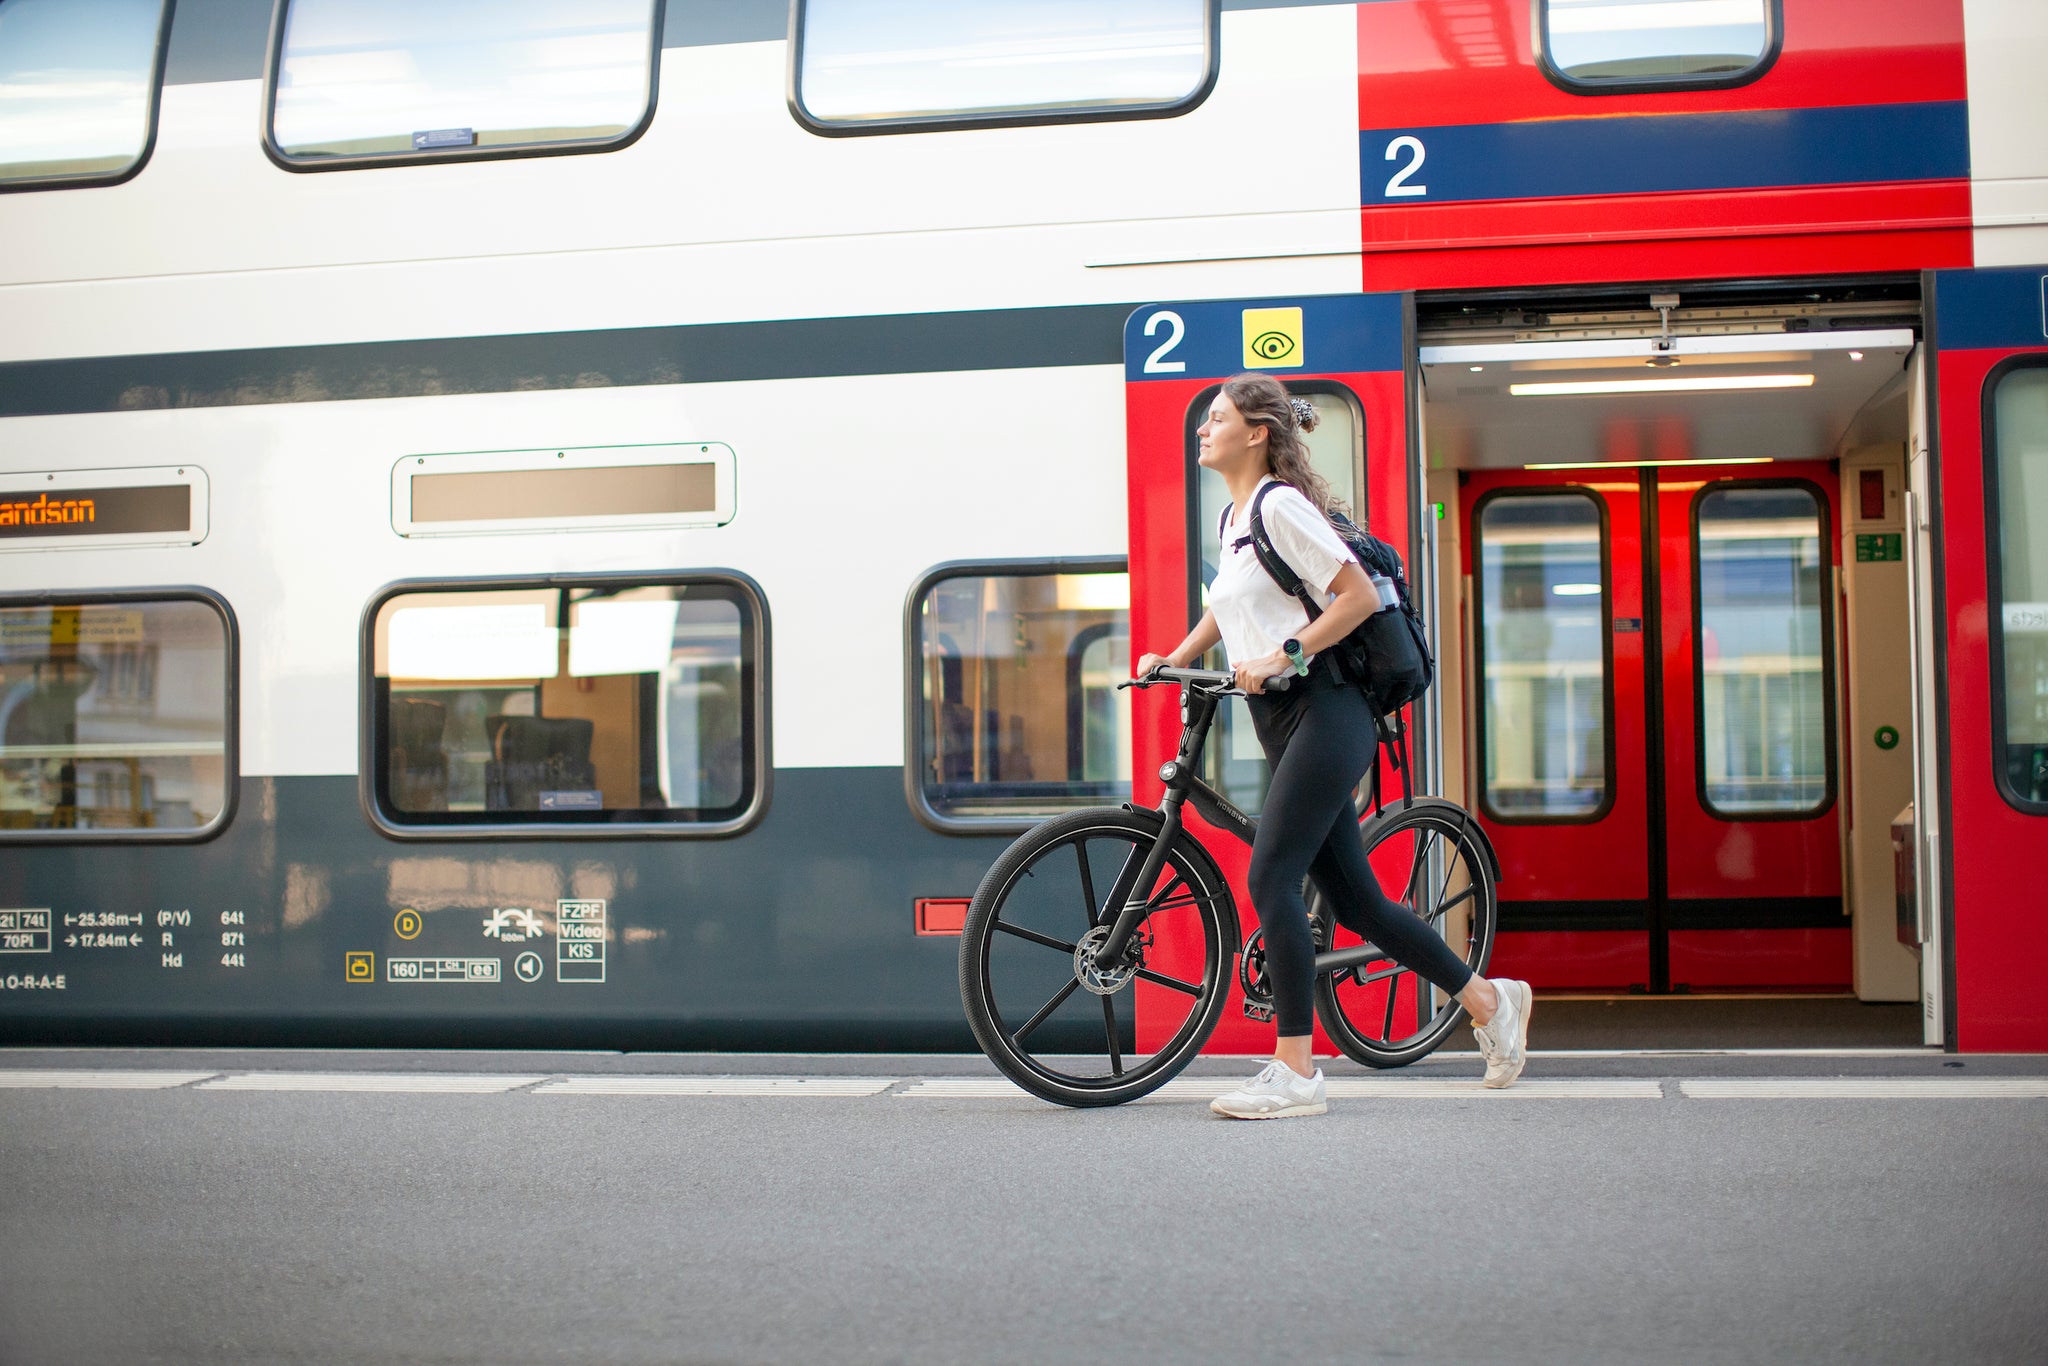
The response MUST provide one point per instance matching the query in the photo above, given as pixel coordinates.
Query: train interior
(1669, 531)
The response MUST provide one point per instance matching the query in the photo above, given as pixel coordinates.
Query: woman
(1319, 740)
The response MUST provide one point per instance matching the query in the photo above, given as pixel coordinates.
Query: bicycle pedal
(1258, 1010)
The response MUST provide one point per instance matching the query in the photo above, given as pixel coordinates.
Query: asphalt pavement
(200, 1206)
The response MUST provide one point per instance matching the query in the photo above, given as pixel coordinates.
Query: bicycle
(1166, 929)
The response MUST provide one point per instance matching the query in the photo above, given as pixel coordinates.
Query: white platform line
(452, 1083)
(1340, 1088)
(1865, 1088)
(102, 1081)
(716, 1086)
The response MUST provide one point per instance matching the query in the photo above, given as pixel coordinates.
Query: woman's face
(1228, 441)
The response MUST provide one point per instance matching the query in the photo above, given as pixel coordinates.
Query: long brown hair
(1265, 401)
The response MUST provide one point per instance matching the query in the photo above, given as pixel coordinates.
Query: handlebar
(1220, 682)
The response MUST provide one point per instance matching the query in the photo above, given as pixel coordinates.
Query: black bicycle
(1090, 915)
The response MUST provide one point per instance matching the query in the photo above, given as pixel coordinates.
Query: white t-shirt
(1254, 613)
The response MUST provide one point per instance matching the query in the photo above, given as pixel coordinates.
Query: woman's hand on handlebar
(1252, 674)
(1147, 663)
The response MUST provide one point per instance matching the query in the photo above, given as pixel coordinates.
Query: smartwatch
(1292, 649)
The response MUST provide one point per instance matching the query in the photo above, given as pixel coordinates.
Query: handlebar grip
(1280, 682)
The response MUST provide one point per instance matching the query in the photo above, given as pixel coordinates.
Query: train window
(2016, 449)
(1015, 713)
(1617, 46)
(385, 82)
(1546, 725)
(1761, 650)
(871, 66)
(586, 705)
(117, 717)
(1235, 765)
(78, 89)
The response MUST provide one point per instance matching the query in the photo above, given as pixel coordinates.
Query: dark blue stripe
(1979, 310)
(1652, 153)
(1341, 334)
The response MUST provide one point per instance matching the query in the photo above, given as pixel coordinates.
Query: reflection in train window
(1543, 656)
(115, 717)
(579, 704)
(1595, 45)
(1233, 762)
(1761, 651)
(2018, 456)
(1017, 715)
(394, 80)
(78, 88)
(872, 65)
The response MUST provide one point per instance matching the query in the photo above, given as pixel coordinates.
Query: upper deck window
(1597, 46)
(78, 88)
(389, 81)
(2016, 457)
(867, 66)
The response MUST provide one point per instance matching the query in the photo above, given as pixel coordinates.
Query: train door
(1654, 725)
(1980, 520)
(1346, 355)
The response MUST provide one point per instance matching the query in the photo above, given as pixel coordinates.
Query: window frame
(1994, 576)
(1609, 788)
(231, 754)
(921, 806)
(940, 123)
(1539, 40)
(156, 96)
(273, 63)
(371, 764)
(1828, 682)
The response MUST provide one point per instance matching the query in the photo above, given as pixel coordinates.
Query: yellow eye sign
(1272, 338)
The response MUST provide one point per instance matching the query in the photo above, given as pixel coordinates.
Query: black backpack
(1387, 654)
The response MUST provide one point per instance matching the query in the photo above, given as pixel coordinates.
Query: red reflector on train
(941, 914)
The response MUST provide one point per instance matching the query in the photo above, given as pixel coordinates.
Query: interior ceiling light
(1575, 590)
(1643, 464)
(1690, 384)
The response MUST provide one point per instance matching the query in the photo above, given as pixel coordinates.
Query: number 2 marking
(1156, 363)
(1399, 187)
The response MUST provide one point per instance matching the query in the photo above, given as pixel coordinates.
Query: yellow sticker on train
(1272, 338)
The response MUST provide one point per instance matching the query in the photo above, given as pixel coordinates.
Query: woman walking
(1319, 741)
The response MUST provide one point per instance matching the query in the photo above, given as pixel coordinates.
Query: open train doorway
(1674, 614)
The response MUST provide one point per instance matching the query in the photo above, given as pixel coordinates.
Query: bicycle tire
(1364, 1009)
(1028, 902)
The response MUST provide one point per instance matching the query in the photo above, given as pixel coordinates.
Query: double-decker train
(592, 525)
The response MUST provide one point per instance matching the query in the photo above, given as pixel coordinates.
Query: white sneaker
(1504, 1040)
(1276, 1093)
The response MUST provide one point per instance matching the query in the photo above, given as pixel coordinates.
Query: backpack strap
(1269, 558)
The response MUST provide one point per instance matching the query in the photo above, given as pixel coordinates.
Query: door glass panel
(1634, 41)
(1234, 763)
(1542, 649)
(2020, 614)
(1762, 657)
(1018, 712)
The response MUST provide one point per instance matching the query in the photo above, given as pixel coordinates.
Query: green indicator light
(1439, 510)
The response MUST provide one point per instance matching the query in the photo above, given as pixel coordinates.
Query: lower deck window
(116, 718)
(571, 704)
(1017, 712)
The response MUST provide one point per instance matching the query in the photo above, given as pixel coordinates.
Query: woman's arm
(1204, 638)
(1356, 600)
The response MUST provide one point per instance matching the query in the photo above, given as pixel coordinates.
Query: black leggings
(1319, 739)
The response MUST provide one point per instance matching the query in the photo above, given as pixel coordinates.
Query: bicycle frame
(1201, 692)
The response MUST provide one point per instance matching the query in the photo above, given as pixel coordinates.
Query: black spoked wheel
(1433, 857)
(1057, 1025)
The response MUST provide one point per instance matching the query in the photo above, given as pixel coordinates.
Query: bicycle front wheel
(1054, 1023)
(1433, 857)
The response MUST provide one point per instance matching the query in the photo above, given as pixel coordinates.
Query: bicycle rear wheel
(1061, 1029)
(1433, 857)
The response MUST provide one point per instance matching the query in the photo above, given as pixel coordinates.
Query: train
(438, 605)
